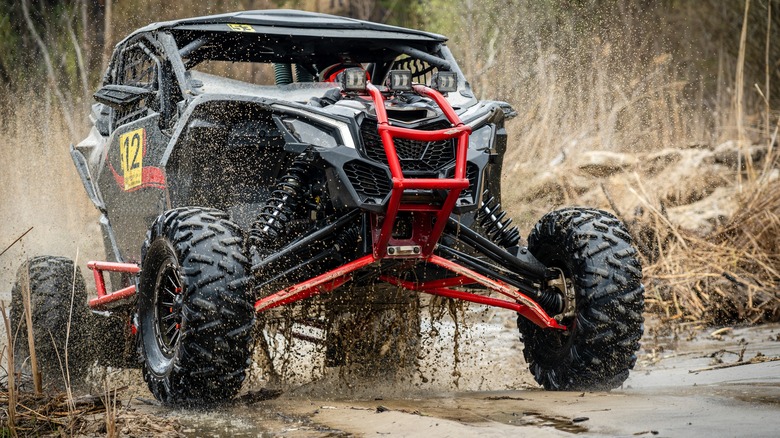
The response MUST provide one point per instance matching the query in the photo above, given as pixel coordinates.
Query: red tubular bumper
(454, 186)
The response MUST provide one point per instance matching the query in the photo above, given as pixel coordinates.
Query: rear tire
(594, 251)
(195, 319)
(52, 281)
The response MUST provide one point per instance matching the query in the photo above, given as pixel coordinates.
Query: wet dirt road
(681, 387)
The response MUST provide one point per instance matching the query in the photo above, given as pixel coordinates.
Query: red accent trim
(104, 298)
(529, 308)
(427, 285)
(130, 268)
(99, 302)
(457, 294)
(151, 177)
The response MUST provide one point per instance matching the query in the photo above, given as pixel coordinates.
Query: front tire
(194, 317)
(594, 251)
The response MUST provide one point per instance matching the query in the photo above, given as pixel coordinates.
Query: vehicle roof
(294, 23)
(290, 36)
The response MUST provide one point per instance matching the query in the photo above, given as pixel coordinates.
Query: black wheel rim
(160, 309)
(168, 308)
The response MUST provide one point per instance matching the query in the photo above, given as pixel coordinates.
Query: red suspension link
(104, 298)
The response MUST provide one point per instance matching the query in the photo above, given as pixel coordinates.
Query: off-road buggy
(368, 162)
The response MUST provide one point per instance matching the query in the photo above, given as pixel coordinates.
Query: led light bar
(353, 79)
(400, 80)
(445, 81)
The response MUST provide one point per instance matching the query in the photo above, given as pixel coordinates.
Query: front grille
(415, 156)
(370, 182)
(472, 172)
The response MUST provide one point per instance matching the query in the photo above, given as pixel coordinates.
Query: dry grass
(730, 276)
(88, 415)
(36, 373)
(11, 395)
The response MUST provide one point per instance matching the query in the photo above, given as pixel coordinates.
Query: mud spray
(41, 190)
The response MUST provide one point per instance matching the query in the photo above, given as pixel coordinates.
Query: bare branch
(49, 69)
(79, 60)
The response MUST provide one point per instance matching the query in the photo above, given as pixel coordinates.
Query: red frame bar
(458, 294)
(529, 308)
(520, 303)
(104, 298)
(315, 286)
(460, 280)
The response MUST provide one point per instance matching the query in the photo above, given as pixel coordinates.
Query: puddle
(250, 421)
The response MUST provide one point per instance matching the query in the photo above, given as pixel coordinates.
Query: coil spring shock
(491, 219)
(268, 231)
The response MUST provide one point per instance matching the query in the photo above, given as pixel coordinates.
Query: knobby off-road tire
(52, 283)
(194, 317)
(594, 251)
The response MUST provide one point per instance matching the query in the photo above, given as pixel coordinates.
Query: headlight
(445, 81)
(311, 134)
(481, 139)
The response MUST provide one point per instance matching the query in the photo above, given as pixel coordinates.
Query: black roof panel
(294, 23)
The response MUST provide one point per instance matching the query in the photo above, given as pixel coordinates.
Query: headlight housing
(481, 139)
(308, 133)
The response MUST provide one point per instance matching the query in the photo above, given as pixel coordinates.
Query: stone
(602, 164)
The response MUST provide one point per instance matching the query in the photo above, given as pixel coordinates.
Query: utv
(367, 162)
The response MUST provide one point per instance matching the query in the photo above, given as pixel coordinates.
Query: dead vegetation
(729, 275)
(88, 415)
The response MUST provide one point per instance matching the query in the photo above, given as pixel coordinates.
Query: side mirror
(121, 96)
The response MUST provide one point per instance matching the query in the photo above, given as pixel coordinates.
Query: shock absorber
(283, 74)
(495, 223)
(269, 230)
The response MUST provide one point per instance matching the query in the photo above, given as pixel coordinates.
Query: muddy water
(677, 389)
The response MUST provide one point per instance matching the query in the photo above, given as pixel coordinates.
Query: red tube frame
(331, 280)
(335, 278)
(454, 185)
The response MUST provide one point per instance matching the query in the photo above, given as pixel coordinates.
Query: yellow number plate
(241, 27)
(131, 149)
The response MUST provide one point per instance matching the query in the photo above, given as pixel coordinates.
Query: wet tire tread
(598, 354)
(215, 346)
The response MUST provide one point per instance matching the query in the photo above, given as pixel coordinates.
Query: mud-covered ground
(688, 382)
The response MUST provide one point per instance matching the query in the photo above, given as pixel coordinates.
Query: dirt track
(665, 396)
